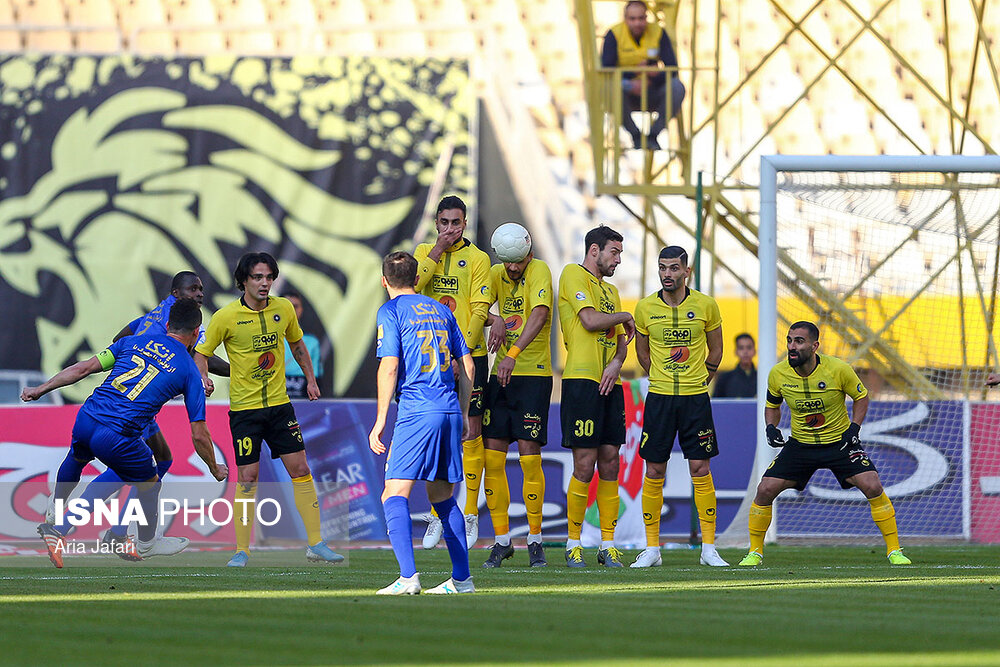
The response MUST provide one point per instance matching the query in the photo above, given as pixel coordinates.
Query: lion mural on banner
(159, 166)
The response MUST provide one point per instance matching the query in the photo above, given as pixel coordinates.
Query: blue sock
(103, 487)
(454, 537)
(67, 477)
(400, 529)
(148, 499)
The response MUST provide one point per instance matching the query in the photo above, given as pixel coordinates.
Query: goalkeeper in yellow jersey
(823, 436)
(517, 397)
(678, 342)
(456, 273)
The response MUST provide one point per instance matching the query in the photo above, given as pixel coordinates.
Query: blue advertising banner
(919, 449)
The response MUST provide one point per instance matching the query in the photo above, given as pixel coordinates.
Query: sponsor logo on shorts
(532, 424)
(448, 284)
(266, 341)
(859, 456)
(293, 426)
(706, 439)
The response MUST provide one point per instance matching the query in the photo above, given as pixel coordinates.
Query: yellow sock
(760, 519)
(607, 507)
(472, 463)
(652, 505)
(308, 505)
(497, 491)
(704, 500)
(533, 491)
(244, 514)
(576, 507)
(885, 518)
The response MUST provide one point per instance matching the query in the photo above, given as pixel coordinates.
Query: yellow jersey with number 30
(587, 352)
(817, 402)
(255, 345)
(459, 279)
(678, 348)
(515, 301)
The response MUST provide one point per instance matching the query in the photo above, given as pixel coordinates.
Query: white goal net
(897, 261)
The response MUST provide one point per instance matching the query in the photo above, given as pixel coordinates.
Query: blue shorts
(152, 429)
(128, 456)
(426, 446)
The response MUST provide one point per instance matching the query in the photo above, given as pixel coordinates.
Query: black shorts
(797, 462)
(588, 419)
(276, 425)
(478, 403)
(519, 411)
(688, 418)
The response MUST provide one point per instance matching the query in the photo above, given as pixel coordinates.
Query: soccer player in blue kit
(417, 339)
(185, 284)
(146, 372)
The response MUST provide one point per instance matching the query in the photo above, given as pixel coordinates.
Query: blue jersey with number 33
(148, 372)
(423, 334)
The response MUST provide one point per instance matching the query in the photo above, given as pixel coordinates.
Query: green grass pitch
(805, 606)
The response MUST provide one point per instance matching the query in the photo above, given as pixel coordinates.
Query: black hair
(400, 269)
(674, 252)
(185, 316)
(808, 326)
(600, 235)
(250, 260)
(292, 294)
(450, 202)
(183, 279)
(747, 336)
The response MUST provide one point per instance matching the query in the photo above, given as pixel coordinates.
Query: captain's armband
(107, 359)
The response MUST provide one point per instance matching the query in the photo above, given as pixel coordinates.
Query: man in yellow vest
(637, 43)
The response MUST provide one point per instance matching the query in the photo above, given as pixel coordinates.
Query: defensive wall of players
(941, 475)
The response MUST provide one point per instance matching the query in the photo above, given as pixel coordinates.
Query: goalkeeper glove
(852, 436)
(774, 437)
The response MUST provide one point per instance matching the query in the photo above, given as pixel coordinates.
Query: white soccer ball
(511, 242)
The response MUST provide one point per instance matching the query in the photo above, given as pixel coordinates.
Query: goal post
(896, 259)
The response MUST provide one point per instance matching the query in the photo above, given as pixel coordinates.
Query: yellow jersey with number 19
(678, 348)
(254, 342)
(817, 401)
(515, 301)
(458, 280)
(587, 352)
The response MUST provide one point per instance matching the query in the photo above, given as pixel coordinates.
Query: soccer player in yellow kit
(679, 344)
(253, 330)
(455, 272)
(596, 332)
(823, 436)
(517, 398)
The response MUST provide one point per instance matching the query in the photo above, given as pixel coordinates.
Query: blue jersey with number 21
(423, 334)
(148, 371)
